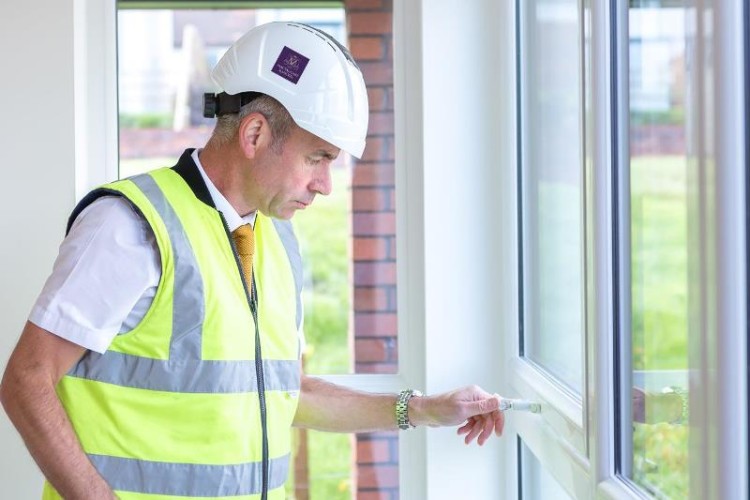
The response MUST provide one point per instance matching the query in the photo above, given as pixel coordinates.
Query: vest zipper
(261, 387)
(252, 299)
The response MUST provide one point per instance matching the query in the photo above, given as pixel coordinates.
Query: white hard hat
(308, 72)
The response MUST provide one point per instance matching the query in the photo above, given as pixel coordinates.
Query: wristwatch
(402, 408)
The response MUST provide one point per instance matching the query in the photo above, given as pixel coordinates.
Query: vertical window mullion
(621, 245)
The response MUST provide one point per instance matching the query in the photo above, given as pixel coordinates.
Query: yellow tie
(244, 240)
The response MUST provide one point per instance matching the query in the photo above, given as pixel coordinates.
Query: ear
(253, 133)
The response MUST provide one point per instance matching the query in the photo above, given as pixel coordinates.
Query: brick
(370, 23)
(374, 224)
(370, 200)
(389, 49)
(373, 174)
(392, 294)
(374, 273)
(377, 73)
(377, 476)
(352, 5)
(375, 149)
(371, 451)
(381, 122)
(377, 368)
(390, 149)
(375, 350)
(370, 248)
(377, 97)
(370, 299)
(370, 27)
(392, 435)
(379, 494)
(375, 324)
(379, 148)
(392, 249)
(367, 48)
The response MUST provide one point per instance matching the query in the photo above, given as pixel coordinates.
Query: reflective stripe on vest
(158, 478)
(202, 441)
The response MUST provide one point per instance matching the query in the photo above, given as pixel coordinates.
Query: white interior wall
(36, 138)
(467, 149)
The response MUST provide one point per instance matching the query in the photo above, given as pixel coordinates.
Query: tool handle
(520, 405)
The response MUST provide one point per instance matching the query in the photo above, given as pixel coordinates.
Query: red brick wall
(370, 27)
(373, 196)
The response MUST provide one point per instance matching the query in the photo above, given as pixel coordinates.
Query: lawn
(659, 295)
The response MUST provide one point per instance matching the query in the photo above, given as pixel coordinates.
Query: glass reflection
(659, 246)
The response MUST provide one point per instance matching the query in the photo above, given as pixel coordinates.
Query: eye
(314, 160)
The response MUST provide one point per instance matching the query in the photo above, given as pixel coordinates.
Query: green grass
(146, 120)
(659, 275)
(659, 243)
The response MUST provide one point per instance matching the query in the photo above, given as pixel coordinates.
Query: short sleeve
(106, 264)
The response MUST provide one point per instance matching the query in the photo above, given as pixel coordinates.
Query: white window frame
(719, 400)
(95, 94)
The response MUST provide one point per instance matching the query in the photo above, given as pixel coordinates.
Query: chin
(284, 215)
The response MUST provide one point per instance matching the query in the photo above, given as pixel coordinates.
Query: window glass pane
(536, 482)
(659, 246)
(347, 239)
(552, 186)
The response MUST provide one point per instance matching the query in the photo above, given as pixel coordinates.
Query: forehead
(311, 143)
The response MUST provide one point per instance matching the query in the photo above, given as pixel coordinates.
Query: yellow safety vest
(185, 405)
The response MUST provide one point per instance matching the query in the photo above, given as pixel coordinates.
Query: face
(290, 180)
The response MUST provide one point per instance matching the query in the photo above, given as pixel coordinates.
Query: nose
(322, 182)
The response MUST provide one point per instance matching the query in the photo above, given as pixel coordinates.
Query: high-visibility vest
(173, 408)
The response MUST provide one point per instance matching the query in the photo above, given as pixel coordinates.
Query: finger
(467, 426)
(489, 424)
(499, 418)
(475, 430)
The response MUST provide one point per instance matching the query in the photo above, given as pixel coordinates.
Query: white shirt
(105, 276)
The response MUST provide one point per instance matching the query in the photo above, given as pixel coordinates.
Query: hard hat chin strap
(225, 104)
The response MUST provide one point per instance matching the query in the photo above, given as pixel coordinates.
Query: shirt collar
(234, 220)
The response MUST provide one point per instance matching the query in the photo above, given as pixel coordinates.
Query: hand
(477, 409)
(655, 407)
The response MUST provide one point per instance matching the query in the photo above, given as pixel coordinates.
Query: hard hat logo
(290, 65)
(322, 88)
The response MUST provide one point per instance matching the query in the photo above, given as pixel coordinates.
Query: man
(162, 358)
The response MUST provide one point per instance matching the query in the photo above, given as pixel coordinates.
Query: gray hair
(278, 118)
